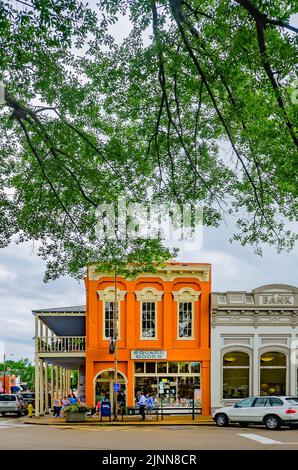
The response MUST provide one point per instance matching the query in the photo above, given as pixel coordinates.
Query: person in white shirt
(142, 404)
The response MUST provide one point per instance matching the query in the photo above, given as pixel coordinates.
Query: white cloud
(6, 274)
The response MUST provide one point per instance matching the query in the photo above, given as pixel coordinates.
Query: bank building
(163, 340)
(254, 337)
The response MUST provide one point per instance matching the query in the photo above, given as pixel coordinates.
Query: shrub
(77, 408)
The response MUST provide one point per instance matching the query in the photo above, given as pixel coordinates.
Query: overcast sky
(22, 289)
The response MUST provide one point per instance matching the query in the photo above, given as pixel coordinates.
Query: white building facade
(254, 339)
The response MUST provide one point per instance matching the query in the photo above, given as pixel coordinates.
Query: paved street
(15, 435)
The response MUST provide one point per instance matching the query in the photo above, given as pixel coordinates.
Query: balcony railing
(62, 344)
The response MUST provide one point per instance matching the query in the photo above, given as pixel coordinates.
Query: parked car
(29, 397)
(12, 403)
(272, 411)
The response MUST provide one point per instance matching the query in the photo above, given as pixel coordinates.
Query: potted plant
(76, 413)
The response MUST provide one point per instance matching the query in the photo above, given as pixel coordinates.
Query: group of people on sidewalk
(145, 402)
(61, 403)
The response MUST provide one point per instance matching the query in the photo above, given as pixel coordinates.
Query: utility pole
(115, 332)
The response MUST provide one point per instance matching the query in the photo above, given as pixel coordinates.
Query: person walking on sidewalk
(142, 404)
(57, 406)
(150, 404)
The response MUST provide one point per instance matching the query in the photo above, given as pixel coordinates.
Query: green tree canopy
(22, 368)
(197, 104)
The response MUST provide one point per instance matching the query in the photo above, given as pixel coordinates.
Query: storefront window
(183, 367)
(145, 385)
(161, 367)
(273, 373)
(186, 388)
(195, 367)
(235, 375)
(139, 367)
(150, 367)
(170, 383)
(173, 367)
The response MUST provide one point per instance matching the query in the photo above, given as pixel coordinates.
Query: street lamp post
(115, 333)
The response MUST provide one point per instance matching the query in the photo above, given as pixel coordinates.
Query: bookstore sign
(142, 354)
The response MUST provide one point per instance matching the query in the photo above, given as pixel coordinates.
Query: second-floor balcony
(63, 344)
(60, 331)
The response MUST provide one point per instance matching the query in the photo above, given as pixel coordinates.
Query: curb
(121, 423)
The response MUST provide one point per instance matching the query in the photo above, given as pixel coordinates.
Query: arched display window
(273, 371)
(235, 375)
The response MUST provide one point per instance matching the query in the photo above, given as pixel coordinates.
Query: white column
(37, 391)
(41, 387)
(46, 386)
(67, 381)
(61, 382)
(216, 369)
(56, 381)
(256, 364)
(36, 368)
(52, 386)
(41, 328)
(293, 370)
(64, 381)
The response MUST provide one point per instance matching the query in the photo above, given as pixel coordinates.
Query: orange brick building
(163, 342)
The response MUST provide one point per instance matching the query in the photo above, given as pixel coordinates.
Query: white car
(12, 403)
(272, 411)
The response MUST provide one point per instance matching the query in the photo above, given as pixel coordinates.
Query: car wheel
(3, 414)
(272, 422)
(221, 420)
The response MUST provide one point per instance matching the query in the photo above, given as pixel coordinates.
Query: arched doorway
(103, 385)
(273, 367)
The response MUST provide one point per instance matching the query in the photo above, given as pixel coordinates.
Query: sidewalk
(135, 420)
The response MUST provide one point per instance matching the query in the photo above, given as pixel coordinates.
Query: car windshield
(292, 400)
(247, 403)
(7, 398)
(28, 395)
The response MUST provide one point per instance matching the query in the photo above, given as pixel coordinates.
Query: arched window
(235, 375)
(273, 367)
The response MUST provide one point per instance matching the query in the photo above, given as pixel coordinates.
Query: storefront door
(104, 386)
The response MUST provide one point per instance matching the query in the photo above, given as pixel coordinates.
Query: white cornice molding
(166, 273)
(186, 294)
(149, 294)
(108, 294)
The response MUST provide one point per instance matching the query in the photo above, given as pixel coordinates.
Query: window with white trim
(185, 320)
(109, 316)
(148, 327)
